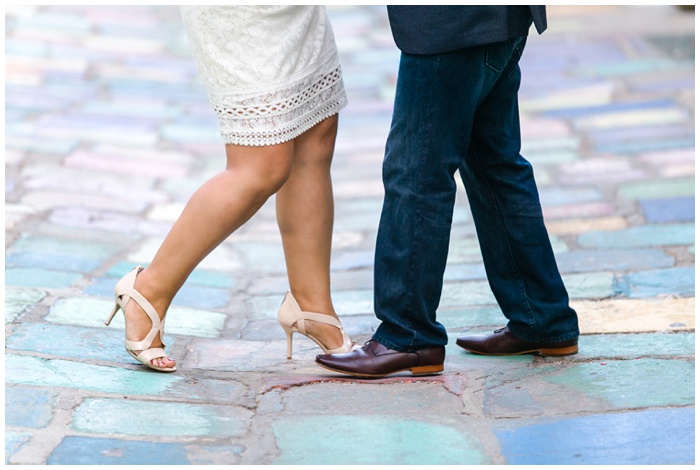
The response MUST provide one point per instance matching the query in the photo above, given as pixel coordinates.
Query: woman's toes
(163, 363)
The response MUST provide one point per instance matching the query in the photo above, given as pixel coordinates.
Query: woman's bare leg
(305, 219)
(215, 210)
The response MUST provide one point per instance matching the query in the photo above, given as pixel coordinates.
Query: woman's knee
(316, 145)
(266, 169)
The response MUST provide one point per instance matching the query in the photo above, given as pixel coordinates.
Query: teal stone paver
(198, 277)
(17, 301)
(464, 272)
(657, 189)
(71, 342)
(678, 209)
(40, 278)
(189, 295)
(639, 237)
(612, 260)
(632, 384)
(79, 450)
(29, 370)
(86, 311)
(117, 379)
(470, 317)
(52, 262)
(64, 246)
(679, 281)
(27, 407)
(630, 346)
(466, 293)
(14, 442)
(595, 285)
(650, 437)
(148, 418)
(313, 440)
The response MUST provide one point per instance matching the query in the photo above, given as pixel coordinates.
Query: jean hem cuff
(379, 339)
(556, 339)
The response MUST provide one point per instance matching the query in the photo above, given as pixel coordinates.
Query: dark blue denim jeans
(458, 111)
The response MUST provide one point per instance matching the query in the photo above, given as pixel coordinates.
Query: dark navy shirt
(437, 29)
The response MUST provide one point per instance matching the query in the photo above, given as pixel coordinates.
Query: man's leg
(436, 98)
(503, 196)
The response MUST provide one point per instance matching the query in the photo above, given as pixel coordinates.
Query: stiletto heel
(111, 315)
(292, 318)
(140, 350)
(289, 342)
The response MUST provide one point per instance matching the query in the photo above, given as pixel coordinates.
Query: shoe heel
(427, 370)
(555, 352)
(111, 315)
(291, 318)
(289, 342)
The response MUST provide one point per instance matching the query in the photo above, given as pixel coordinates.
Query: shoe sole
(551, 352)
(415, 371)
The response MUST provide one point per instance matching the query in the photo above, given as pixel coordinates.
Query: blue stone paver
(679, 281)
(108, 132)
(14, 442)
(653, 437)
(28, 408)
(77, 450)
(678, 209)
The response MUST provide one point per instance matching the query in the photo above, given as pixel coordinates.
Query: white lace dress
(271, 72)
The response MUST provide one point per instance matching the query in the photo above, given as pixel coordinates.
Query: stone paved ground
(108, 132)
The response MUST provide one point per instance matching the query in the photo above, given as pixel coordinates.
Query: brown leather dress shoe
(504, 343)
(376, 360)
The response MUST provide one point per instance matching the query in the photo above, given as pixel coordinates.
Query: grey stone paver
(107, 134)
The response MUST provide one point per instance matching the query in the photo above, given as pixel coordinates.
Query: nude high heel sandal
(292, 319)
(124, 292)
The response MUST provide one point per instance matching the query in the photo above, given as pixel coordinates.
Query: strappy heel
(292, 319)
(124, 292)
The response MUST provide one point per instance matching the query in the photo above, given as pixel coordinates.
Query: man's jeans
(459, 111)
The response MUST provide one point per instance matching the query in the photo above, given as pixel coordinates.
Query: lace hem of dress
(282, 115)
(281, 135)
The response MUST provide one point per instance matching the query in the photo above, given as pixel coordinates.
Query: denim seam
(419, 183)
